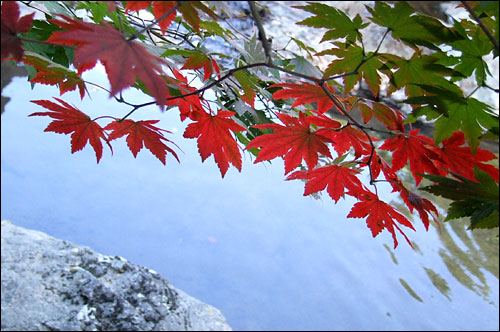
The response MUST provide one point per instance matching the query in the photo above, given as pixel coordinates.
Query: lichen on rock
(51, 284)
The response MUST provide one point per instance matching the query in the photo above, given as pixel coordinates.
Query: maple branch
(341, 108)
(165, 15)
(483, 27)
(97, 85)
(355, 72)
(262, 33)
(321, 82)
(28, 4)
(136, 107)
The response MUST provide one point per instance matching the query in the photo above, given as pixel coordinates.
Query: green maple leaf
(353, 59)
(420, 69)
(412, 29)
(395, 18)
(478, 200)
(338, 23)
(470, 117)
(454, 113)
(471, 59)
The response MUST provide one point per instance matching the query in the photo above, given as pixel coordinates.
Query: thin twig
(321, 82)
(485, 29)
(262, 32)
(380, 43)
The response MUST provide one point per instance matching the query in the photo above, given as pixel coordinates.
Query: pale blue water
(249, 244)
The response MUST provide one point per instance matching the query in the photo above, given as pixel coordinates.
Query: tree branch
(485, 29)
(262, 33)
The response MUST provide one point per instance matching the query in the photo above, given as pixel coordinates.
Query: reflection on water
(466, 265)
(393, 257)
(438, 282)
(410, 290)
(275, 266)
(465, 252)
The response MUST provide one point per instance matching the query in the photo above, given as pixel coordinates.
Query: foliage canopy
(276, 103)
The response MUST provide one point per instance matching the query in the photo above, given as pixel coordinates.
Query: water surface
(249, 244)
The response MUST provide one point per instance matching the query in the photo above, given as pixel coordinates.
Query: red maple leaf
(349, 137)
(377, 165)
(214, 138)
(414, 201)
(159, 9)
(334, 176)
(305, 93)
(458, 158)
(141, 133)
(187, 105)
(12, 25)
(418, 149)
(71, 120)
(295, 140)
(123, 59)
(380, 215)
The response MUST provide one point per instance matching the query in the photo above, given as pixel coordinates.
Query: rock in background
(51, 284)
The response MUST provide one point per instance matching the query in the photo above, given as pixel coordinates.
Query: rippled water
(249, 244)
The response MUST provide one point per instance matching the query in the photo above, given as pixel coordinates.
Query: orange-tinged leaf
(214, 137)
(248, 86)
(391, 118)
(53, 74)
(139, 134)
(12, 25)
(380, 215)
(124, 60)
(200, 60)
(336, 177)
(160, 8)
(189, 11)
(69, 120)
(305, 93)
(295, 141)
(66, 82)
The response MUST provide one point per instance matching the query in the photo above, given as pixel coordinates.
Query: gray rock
(50, 284)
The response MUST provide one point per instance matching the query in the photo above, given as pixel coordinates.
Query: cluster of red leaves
(83, 129)
(307, 137)
(104, 43)
(69, 120)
